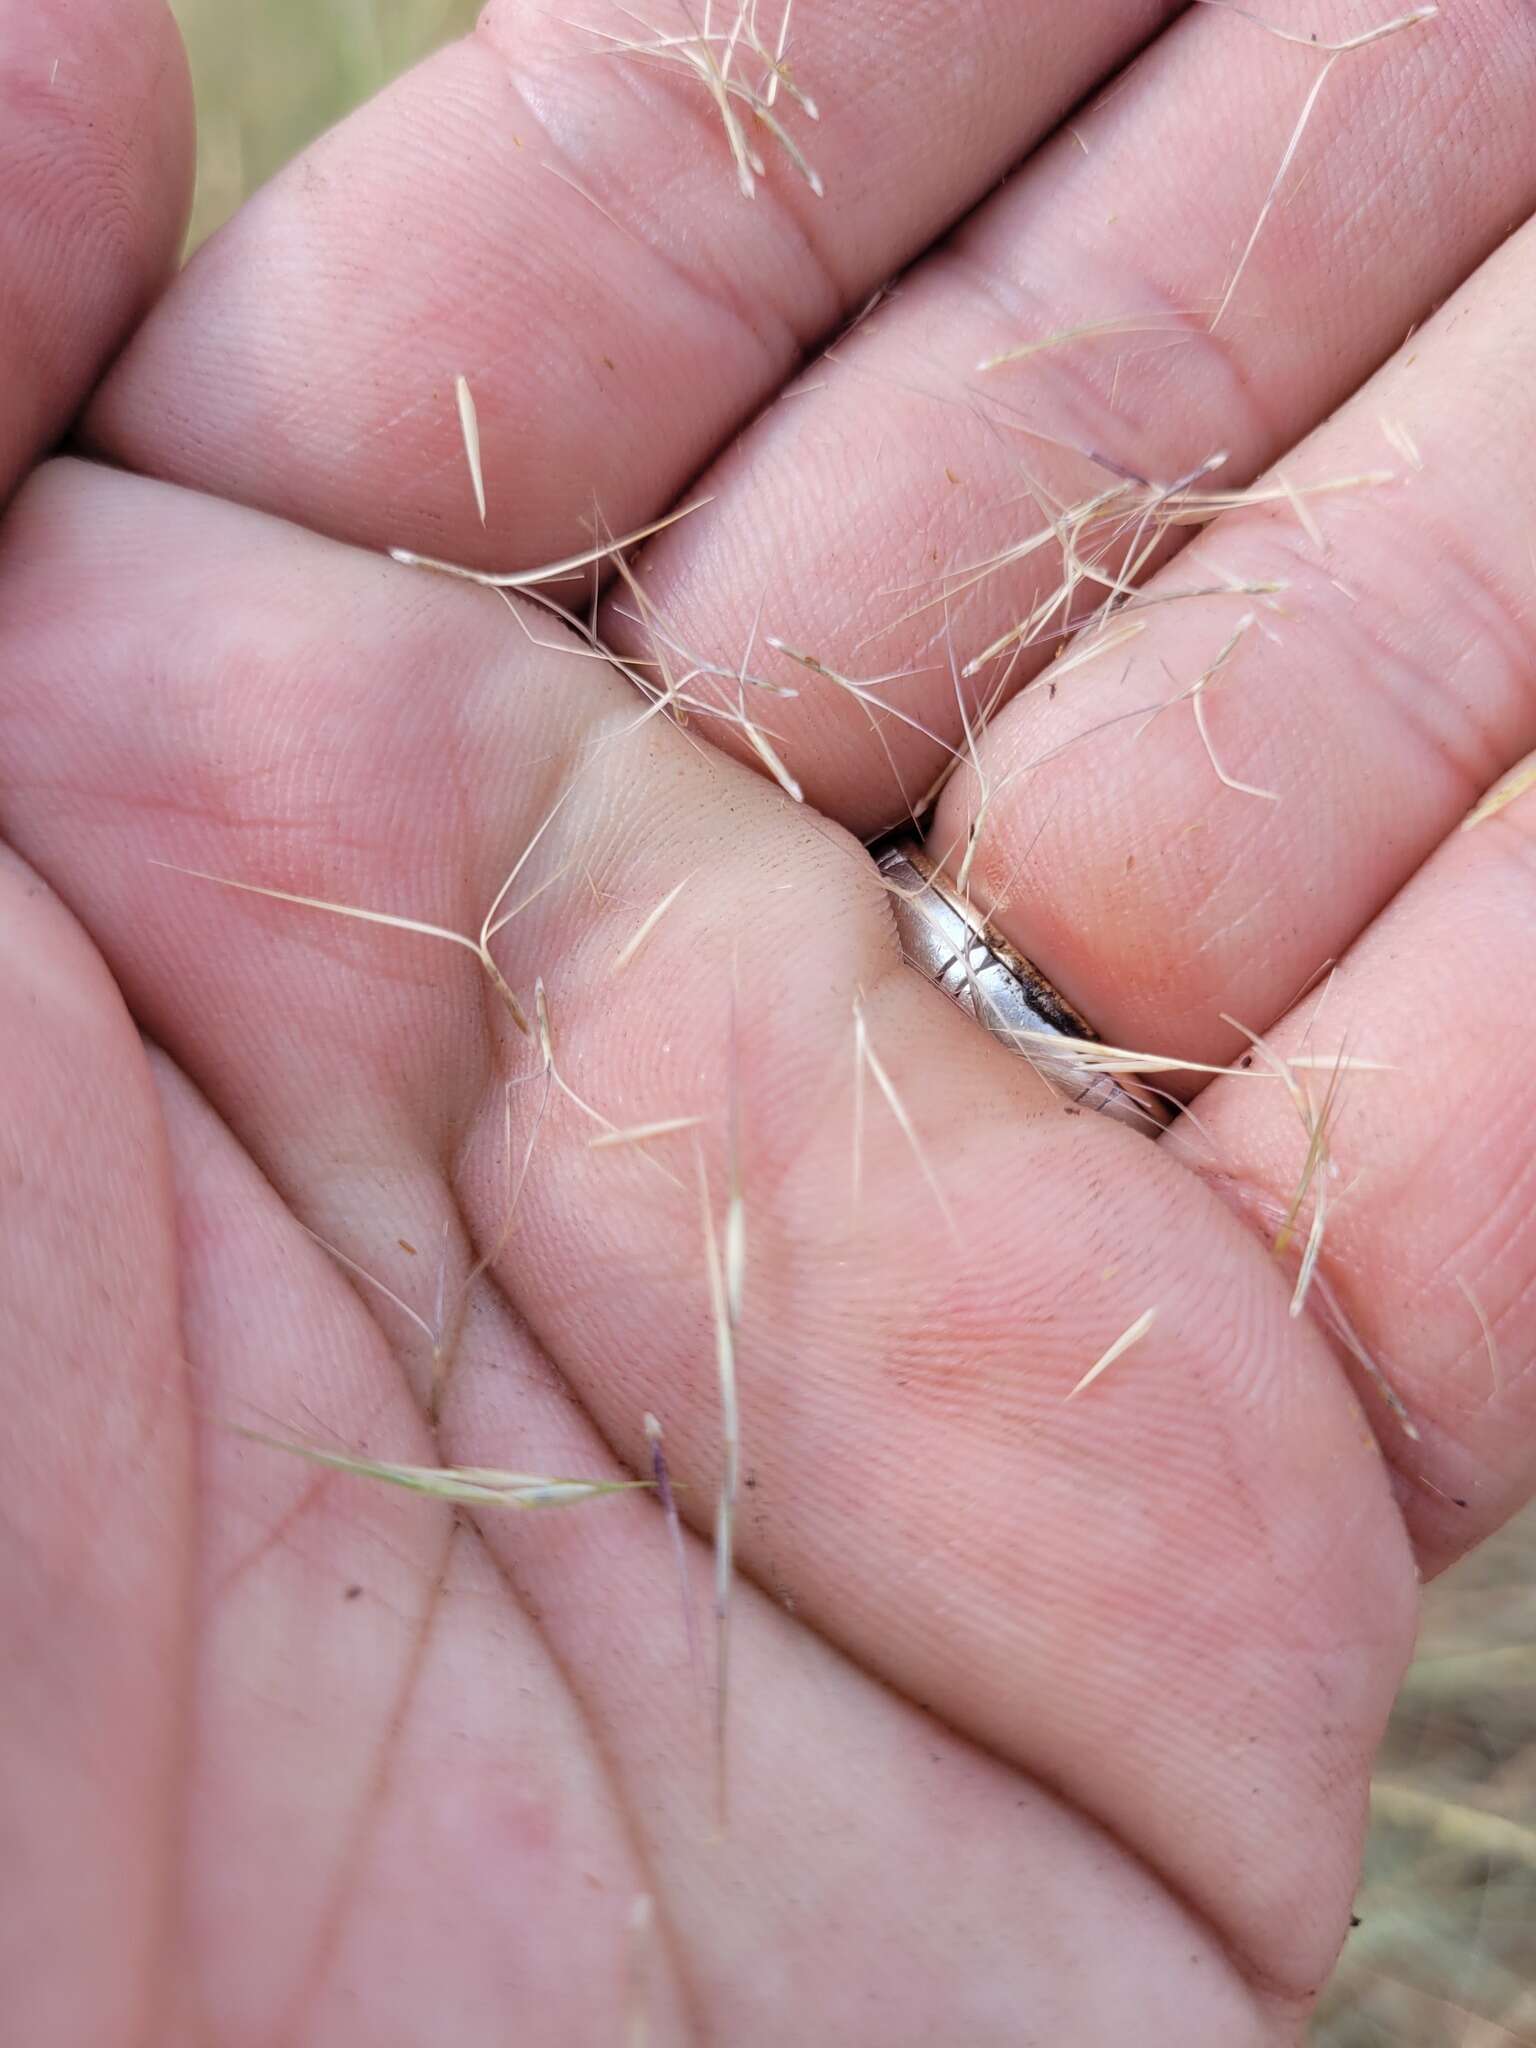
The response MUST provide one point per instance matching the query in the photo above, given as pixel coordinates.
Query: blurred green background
(270, 74)
(1445, 1955)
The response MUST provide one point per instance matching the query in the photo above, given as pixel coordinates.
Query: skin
(1049, 1720)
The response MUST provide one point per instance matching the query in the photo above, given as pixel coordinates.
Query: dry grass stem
(661, 1479)
(383, 917)
(1109, 541)
(1089, 647)
(1198, 508)
(1486, 1328)
(594, 202)
(1349, 1337)
(760, 743)
(698, 666)
(763, 747)
(1118, 1349)
(972, 756)
(550, 572)
(1104, 544)
(866, 1058)
(495, 921)
(666, 640)
(972, 728)
(674, 696)
(1318, 1172)
(742, 69)
(876, 710)
(1196, 698)
(431, 1332)
(1318, 1169)
(1334, 53)
(641, 1134)
(730, 1479)
(1503, 793)
(551, 1068)
(467, 1485)
(496, 918)
(1095, 1057)
(1312, 1285)
(469, 425)
(864, 692)
(974, 720)
(1091, 330)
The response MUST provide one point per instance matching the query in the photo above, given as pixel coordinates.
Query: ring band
(950, 944)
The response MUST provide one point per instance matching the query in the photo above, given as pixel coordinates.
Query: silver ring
(951, 944)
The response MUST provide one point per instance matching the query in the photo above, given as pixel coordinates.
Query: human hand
(1046, 1717)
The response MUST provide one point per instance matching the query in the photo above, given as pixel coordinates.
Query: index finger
(560, 220)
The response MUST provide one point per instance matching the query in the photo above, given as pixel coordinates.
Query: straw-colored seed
(469, 425)
(1503, 793)
(1118, 1349)
(469, 1485)
(1333, 54)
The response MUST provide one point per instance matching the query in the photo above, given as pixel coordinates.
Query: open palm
(1048, 1720)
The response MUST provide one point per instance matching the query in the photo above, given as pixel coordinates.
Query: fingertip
(96, 151)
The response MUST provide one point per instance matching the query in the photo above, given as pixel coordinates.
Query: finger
(1138, 1600)
(96, 172)
(561, 223)
(1428, 1261)
(97, 1489)
(1369, 702)
(846, 520)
